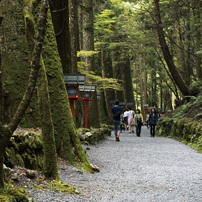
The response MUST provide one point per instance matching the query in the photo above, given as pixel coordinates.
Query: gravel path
(136, 169)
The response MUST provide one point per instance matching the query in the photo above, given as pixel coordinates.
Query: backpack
(117, 115)
(139, 121)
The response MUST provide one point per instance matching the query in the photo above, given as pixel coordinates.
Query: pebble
(135, 169)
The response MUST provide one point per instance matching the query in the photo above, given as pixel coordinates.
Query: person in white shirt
(125, 119)
(131, 114)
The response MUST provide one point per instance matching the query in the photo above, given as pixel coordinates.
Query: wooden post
(72, 106)
(86, 115)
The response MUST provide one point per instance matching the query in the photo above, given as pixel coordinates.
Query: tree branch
(167, 55)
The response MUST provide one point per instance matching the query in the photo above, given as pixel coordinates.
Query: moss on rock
(25, 150)
(185, 130)
(93, 136)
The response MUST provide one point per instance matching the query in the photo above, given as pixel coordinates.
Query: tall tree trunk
(128, 85)
(198, 27)
(117, 74)
(7, 130)
(107, 72)
(60, 18)
(167, 56)
(68, 144)
(141, 82)
(145, 86)
(1, 87)
(50, 155)
(1, 94)
(50, 166)
(74, 33)
(88, 45)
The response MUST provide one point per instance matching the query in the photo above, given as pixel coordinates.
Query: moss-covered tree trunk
(1, 90)
(68, 144)
(7, 130)
(88, 45)
(50, 155)
(50, 166)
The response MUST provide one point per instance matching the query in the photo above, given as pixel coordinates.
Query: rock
(77, 191)
(89, 134)
(77, 170)
(30, 173)
(87, 148)
(95, 168)
(15, 177)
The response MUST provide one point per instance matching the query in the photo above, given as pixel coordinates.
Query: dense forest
(139, 52)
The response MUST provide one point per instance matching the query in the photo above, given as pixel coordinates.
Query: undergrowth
(10, 193)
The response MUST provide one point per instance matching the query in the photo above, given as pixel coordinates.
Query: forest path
(136, 169)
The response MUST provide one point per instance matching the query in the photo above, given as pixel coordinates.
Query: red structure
(87, 89)
(145, 110)
(72, 82)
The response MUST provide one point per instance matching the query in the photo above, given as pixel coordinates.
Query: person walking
(138, 121)
(147, 120)
(125, 119)
(116, 110)
(153, 119)
(131, 114)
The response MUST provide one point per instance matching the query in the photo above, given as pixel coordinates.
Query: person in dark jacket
(117, 110)
(153, 119)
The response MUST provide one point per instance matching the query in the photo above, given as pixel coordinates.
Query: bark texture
(50, 155)
(74, 33)
(60, 18)
(68, 144)
(88, 45)
(7, 130)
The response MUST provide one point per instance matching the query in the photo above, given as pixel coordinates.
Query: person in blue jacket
(116, 110)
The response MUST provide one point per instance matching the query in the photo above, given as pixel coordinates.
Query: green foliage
(101, 82)
(84, 53)
(13, 194)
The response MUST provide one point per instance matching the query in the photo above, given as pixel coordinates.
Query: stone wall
(184, 130)
(26, 150)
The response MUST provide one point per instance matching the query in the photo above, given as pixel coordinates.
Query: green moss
(62, 187)
(25, 150)
(57, 186)
(13, 194)
(67, 141)
(184, 130)
(16, 58)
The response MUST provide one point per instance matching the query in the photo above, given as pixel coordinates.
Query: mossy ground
(56, 186)
(11, 193)
(184, 130)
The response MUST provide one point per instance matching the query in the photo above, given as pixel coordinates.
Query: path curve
(136, 169)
